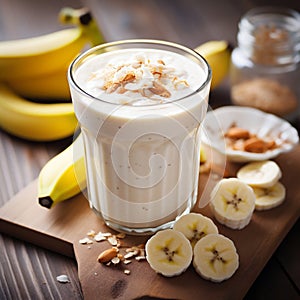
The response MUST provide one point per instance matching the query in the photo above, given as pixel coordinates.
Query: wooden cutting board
(61, 228)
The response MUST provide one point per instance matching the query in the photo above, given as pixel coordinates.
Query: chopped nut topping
(160, 90)
(140, 75)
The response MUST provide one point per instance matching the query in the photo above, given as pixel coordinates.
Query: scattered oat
(127, 261)
(63, 278)
(113, 240)
(85, 240)
(127, 272)
(99, 237)
(91, 233)
(112, 256)
(116, 260)
(140, 257)
(130, 254)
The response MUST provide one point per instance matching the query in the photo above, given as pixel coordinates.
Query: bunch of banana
(36, 68)
(218, 55)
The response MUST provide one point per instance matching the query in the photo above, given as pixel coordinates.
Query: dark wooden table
(29, 272)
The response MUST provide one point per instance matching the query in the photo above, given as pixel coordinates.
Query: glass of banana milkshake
(140, 104)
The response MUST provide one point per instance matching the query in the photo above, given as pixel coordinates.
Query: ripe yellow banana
(217, 54)
(63, 176)
(37, 67)
(35, 121)
(39, 55)
(45, 87)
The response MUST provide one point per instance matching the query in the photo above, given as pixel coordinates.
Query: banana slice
(169, 252)
(215, 257)
(267, 198)
(232, 203)
(262, 174)
(195, 226)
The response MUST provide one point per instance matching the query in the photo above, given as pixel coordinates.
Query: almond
(237, 133)
(107, 255)
(255, 145)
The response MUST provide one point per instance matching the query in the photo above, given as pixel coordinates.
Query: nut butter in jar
(265, 66)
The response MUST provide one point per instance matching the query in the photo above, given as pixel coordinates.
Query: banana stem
(83, 18)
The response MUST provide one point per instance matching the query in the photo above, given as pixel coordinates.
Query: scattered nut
(112, 256)
(107, 255)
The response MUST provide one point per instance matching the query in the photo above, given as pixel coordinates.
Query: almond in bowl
(247, 134)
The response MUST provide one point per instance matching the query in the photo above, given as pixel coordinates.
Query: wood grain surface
(28, 271)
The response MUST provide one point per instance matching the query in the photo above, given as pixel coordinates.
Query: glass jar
(265, 68)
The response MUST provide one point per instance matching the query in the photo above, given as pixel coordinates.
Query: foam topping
(141, 77)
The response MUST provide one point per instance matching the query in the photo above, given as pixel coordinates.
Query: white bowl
(218, 121)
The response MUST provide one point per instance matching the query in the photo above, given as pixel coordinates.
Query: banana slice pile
(264, 178)
(193, 239)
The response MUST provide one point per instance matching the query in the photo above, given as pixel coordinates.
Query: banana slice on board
(267, 198)
(262, 174)
(232, 203)
(169, 252)
(195, 226)
(215, 257)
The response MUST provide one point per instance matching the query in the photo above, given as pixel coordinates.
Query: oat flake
(63, 278)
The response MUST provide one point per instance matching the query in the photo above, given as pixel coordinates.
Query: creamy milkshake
(140, 105)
